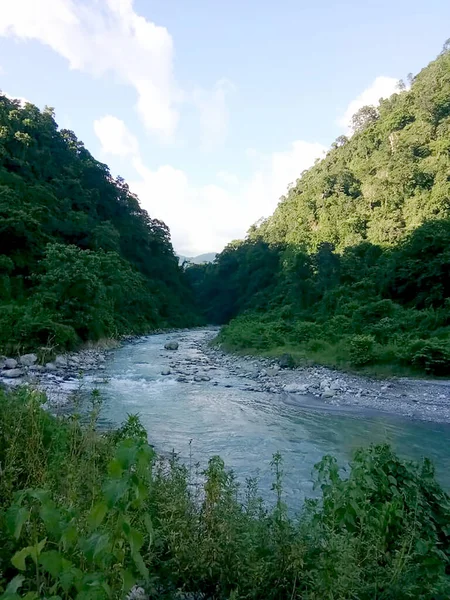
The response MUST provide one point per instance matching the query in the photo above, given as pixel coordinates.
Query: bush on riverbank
(87, 515)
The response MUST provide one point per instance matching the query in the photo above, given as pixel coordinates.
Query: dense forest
(353, 268)
(79, 258)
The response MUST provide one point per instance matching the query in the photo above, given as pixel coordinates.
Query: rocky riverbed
(427, 400)
(59, 378)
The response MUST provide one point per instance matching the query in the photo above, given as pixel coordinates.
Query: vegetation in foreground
(87, 515)
(353, 268)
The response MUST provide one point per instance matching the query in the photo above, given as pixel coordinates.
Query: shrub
(88, 516)
(433, 356)
(361, 350)
(306, 330)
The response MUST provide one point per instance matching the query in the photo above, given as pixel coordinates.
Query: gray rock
(50, 366)
(61, 360)
(166, 372)
(296, 388)
(10, 363)
(171, 346)
(272, 371)
(13, 373)
(337, 385)
(325, 384)
(328, 393)
(27, 360)
(198, 379)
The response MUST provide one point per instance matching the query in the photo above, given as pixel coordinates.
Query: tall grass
(94, 516)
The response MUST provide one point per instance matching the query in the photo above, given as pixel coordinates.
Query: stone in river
(61, 361)
(27, 360)
(166, 372)
(296, 388)
(10, 363)
(171, 346)
(13, 373)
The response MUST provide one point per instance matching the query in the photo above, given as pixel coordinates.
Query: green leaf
(51, 517)
(114, 490)
(53, 562)
(18, 560)
(139, 562)
(36, 550)
(115, 469)
(16, 517)
(149, 526)
(15, 584)
(97, 514)
(135, 539)
(128, 580)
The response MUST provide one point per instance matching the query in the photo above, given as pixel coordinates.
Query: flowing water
(198, 420)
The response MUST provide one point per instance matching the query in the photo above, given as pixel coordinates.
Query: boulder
(171, 346)
(27, 360)
(338, 385)
(10, 363)
(296, 388)
(286, 361)
(61, 360)
(324, 384)
(328, 393)
(166, 372)
(13, 373)
(272, 371)
(50, 366)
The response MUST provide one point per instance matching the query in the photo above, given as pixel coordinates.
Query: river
(221, 416)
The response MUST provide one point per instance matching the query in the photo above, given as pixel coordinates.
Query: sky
(210, 109)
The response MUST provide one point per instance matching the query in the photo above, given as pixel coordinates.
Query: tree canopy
(356, 254)
(79, 258)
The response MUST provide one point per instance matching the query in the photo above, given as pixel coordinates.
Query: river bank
(427, 400)
(313, 386)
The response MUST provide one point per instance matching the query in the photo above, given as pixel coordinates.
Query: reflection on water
(247, 428)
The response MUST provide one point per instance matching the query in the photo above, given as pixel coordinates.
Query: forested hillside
(353, 268)
(79, 258)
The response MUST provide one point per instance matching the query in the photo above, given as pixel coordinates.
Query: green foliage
(433, 356)
(89, 515)
(361, 350)
(358, 247)
(79, 258)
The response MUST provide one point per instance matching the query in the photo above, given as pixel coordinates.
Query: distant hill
(198, 260)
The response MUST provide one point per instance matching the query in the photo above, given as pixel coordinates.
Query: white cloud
(228, 178)
(382, 87)
(205, 218)
(105, 37)
(21, 99)
(115, 138)
(213, 111)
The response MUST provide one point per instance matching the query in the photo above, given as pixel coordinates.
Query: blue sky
(210, 109)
